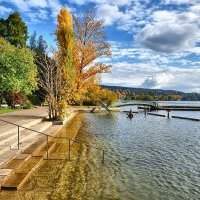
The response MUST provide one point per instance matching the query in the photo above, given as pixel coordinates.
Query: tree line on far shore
(33, 73)
(146, 94)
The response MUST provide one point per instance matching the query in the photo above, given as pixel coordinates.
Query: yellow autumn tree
(90, 44)
(96, 95)
(65, 43)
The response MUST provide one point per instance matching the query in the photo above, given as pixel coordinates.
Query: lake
(146, 158)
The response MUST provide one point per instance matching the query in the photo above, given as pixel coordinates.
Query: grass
(6, 110)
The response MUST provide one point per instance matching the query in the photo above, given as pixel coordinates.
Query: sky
(155, 43)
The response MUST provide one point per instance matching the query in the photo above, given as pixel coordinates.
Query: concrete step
(9, 128)
(16, 162)
(28, 138)
(10, 133)
(22, 169)
(6, 157)
(14, 180)
(37, 151)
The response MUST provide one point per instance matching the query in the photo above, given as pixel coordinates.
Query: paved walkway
(21, 116)
(30, 118)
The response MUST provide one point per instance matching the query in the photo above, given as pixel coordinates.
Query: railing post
(69, 149)
(47, 147)
(18, 137)
(103, 153)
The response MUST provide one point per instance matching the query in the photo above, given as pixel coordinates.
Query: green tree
(42, 45)
(17, 69)
(33, 41)
(14, 30)
(39, 46)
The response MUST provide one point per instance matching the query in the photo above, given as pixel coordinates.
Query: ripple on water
(152, 158)
(148, 158)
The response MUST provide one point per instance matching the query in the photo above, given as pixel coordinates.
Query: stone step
(27, 140)
(15, 162)
(21, 170)
(13, 181)
(26, 137)
(7, 136)
(12, 129)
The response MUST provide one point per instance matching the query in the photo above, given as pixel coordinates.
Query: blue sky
(155, 43)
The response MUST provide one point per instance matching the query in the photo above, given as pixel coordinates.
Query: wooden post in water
(103, 153)
(47, 147)
(168, 114)
(69, 149)
(145, 112)
(18, 137)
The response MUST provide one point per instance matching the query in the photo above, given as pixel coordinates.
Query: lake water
(147, 158)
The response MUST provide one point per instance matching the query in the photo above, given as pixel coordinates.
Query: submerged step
(21, 172)
(8, 187)
(36, 152)
(13, 181)
(32, 147)
(16, 162)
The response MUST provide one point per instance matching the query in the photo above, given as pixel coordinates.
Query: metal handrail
(56, 137)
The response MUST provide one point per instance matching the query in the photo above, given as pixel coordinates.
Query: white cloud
(37, 10)
(140, 67)
(116, 2)
(4, 10)
(109, 13)
(168, 38)
(171, 31)
(39, 16)
(179, 2)
(164, 15)
(37, 3)
(54, 6)
(26, 5)
(150, 76)
(158, 80)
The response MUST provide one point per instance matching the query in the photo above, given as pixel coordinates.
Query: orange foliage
(65, 42)
(89, 45)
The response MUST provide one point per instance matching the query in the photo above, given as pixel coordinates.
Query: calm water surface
(147, 158)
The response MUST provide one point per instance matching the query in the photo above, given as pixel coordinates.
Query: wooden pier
(156, 114)
(186, 118)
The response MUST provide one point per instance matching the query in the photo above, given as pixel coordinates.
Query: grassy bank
(6, 110)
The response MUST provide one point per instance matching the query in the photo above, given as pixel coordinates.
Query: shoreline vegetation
(144, 94)
(65, 76)
(6, 110)
(66, 79)
(32, 74)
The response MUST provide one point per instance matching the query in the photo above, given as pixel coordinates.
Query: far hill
(130, 93)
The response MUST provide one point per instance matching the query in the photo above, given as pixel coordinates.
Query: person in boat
(130, 114)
